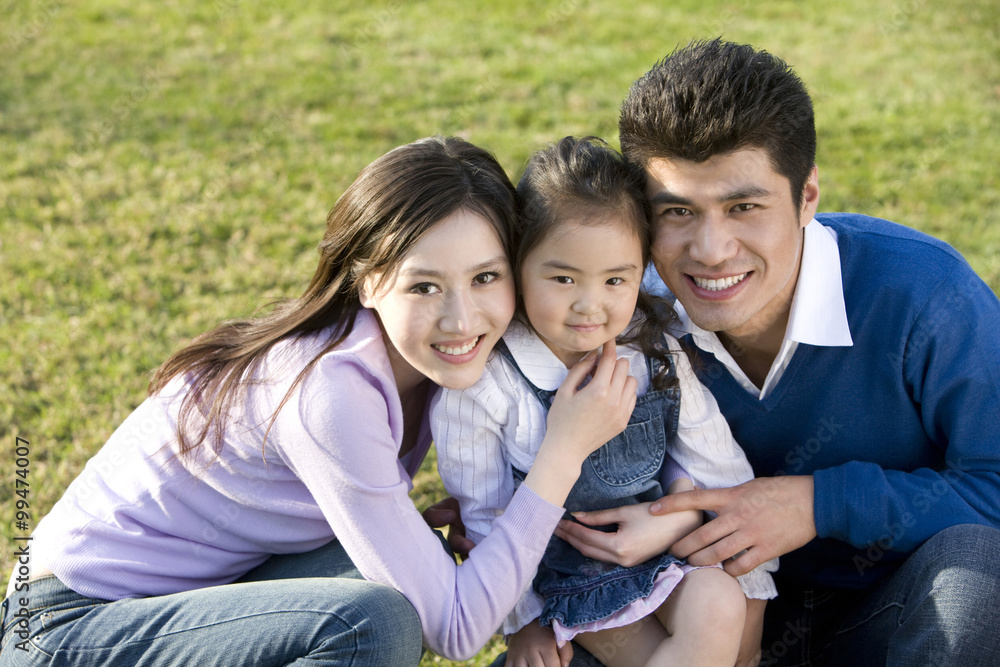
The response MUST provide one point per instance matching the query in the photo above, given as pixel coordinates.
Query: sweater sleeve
(951, 369)
(339, 441)
(469, 428)
(705, 448)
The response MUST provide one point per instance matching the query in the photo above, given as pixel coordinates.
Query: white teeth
(455, 351)
(721, 284)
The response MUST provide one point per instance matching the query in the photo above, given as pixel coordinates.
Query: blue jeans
(302, 609)
(941, 607)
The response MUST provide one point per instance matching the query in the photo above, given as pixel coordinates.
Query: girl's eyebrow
(562, 266)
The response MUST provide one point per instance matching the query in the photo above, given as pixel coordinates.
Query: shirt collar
(538, 363)
(818, 315)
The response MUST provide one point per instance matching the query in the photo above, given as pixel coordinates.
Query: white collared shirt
(818, 315)
(481, 432)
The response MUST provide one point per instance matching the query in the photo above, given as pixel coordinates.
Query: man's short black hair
(715, 97)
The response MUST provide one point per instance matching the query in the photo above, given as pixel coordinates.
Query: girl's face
(446, 304)
(580, 285)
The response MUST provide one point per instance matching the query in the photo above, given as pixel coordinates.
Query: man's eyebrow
(668, 197)
(747, 192)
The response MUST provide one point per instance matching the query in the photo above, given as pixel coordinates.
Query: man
(857, 361)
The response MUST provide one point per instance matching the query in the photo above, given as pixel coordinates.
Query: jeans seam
(139, 642)
(875, 612)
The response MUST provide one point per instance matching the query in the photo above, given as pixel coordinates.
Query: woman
(281, 448)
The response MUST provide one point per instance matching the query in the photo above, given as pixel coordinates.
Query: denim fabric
(304, 609)
(941, 607)
(625, 471)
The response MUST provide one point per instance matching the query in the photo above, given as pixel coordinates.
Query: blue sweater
(902, 430)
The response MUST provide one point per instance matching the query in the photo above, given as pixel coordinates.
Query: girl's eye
(564, 280)
(615, 281)
(486, 278)
(425, 288)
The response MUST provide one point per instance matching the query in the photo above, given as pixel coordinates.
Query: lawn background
(164, 166)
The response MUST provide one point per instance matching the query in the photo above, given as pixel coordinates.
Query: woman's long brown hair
(373, 225)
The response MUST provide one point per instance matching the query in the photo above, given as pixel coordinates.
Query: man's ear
(810, 197)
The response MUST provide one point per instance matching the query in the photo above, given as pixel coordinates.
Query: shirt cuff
(758, 584)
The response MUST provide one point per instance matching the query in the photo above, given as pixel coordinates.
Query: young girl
(277, 453)
(583, 243)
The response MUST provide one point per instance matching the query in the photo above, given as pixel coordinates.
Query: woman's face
(446, 304)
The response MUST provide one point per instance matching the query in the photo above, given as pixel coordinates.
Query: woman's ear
(365, 293)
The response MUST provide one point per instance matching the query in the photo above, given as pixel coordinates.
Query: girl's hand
(580, 420)
(535, 646)
(640, 535)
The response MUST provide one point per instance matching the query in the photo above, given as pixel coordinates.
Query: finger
(436, 518)
(607, 362)
(702, 538)
(719, 551)
(695, 499)
(744, 562)
(566, 654)
(460, 544)
(599, 517)
(578, 373)
(589, 547)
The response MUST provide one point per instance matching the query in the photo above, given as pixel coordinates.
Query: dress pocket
(633, 455)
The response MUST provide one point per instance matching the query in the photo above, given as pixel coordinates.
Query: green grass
(164, 166)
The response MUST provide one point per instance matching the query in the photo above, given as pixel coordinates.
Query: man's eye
(676, 211)
(744, 207)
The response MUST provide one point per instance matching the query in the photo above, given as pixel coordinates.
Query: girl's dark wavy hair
(392, 203)
(586, 181)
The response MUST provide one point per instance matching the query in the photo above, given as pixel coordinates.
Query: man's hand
(446, 513)
(535, 646)
(765, 517)
(639, 537)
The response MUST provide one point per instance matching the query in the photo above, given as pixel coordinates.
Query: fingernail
(655, 507)
(578, 514)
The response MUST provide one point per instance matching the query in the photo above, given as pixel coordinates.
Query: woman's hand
(640, 535)
(535, 646)
(580, 420)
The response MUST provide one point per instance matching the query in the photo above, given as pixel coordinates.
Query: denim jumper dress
(625, 471)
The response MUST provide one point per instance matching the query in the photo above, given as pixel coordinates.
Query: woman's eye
(486, 278)
(615, 281)
(424, 288)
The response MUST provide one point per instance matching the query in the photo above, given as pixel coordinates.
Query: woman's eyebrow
(434, 273)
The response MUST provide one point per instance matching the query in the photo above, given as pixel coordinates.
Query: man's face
(728, 239)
